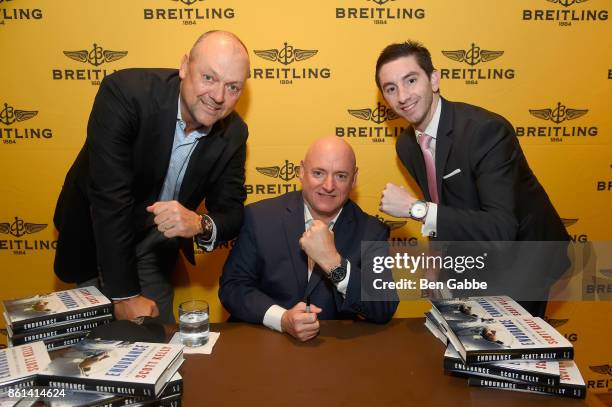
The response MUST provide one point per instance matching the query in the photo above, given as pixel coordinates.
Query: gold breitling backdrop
(546, 65)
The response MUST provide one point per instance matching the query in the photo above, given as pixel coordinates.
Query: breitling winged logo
(473, 56)
(380, 2)
(96, 56)
(378, 115)
(9, 115)
(556, 322)
(559, 114)
(602, 369)
(286, 55)
(187, 2)
(19, 228)
(392, 224)
(566, 3)
(606, 272)
(286, 172)
(568, 222)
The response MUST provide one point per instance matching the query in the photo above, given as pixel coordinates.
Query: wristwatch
(207, 227)
(418, 210)
(338, 273)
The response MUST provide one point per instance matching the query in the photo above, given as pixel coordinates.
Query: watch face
(418, 210)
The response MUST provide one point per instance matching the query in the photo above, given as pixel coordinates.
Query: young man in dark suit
(470, 166)
(159, 142)
(307, 245)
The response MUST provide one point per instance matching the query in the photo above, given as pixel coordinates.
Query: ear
(435, 81)
(184, 66)
(355, 178)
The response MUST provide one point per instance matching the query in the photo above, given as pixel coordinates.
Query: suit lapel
(443, 143)
(293, 223)
(163, 136)
(344, 234)
(206, 153)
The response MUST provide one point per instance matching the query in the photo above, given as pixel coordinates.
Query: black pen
(308, 303)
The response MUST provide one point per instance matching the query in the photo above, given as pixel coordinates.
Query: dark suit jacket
(267, 266)
(100, 213)
(495, 197)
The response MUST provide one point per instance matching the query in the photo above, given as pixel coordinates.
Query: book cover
(19, 365)
(541, 372)
(127, 368)
(42, 310)
(571, 383)
(473, 309)
(434, 328)
(505, 339)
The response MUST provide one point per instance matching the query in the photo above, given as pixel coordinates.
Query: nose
(328, 184)
(217, 93)
(403, 94)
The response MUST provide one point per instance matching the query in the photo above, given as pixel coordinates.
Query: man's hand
(396, 201)
(135, 307)
(318, 243)
(300, 324)
(173, 219)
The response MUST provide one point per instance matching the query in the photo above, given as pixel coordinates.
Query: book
(65, 341)
(540, 372)
(126, 368)
(505, 339)
(434, 328)
(571, 383)
(42, 310)
(58, 330)
(19, 365)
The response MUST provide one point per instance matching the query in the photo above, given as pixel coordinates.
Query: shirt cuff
(430, 227)
(125, 298)
(208, 244)
(343, 285)
(273, 316)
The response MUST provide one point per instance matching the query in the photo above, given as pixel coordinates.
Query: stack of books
(496, 343)
(59, 319)
(92, 373)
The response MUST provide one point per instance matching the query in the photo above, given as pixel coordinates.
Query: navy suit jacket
(267, 266)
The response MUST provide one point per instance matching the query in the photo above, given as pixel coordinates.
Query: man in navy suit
(306, 245)
(470, 166)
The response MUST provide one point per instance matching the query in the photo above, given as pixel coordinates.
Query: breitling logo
(8, 13)
(19, 228)
(378, 115)
(392, 224)
(96, 56)
(380, 2)
(286, 172)
(566, 3)
(286, 55)
(9, 115)
(606, 272)
(559, 114)
(473, 56)
(568, 222)
(565, 14)
(11, 135)
(555, 323)
(187, 2)
(602, 369)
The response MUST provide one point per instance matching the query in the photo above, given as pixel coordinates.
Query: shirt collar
(432, 127)
(181, 123)
(308, 217)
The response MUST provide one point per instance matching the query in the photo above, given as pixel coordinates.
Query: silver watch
(418, 210)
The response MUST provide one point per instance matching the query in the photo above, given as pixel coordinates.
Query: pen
(308, 303)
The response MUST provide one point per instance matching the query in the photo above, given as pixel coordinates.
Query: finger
(315, 309)
(154, 310)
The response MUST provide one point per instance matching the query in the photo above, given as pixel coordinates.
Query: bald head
(212, 78)
(332, 146)
(328, 174)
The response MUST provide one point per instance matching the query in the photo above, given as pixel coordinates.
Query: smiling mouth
(210, 106)
(409, 107)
